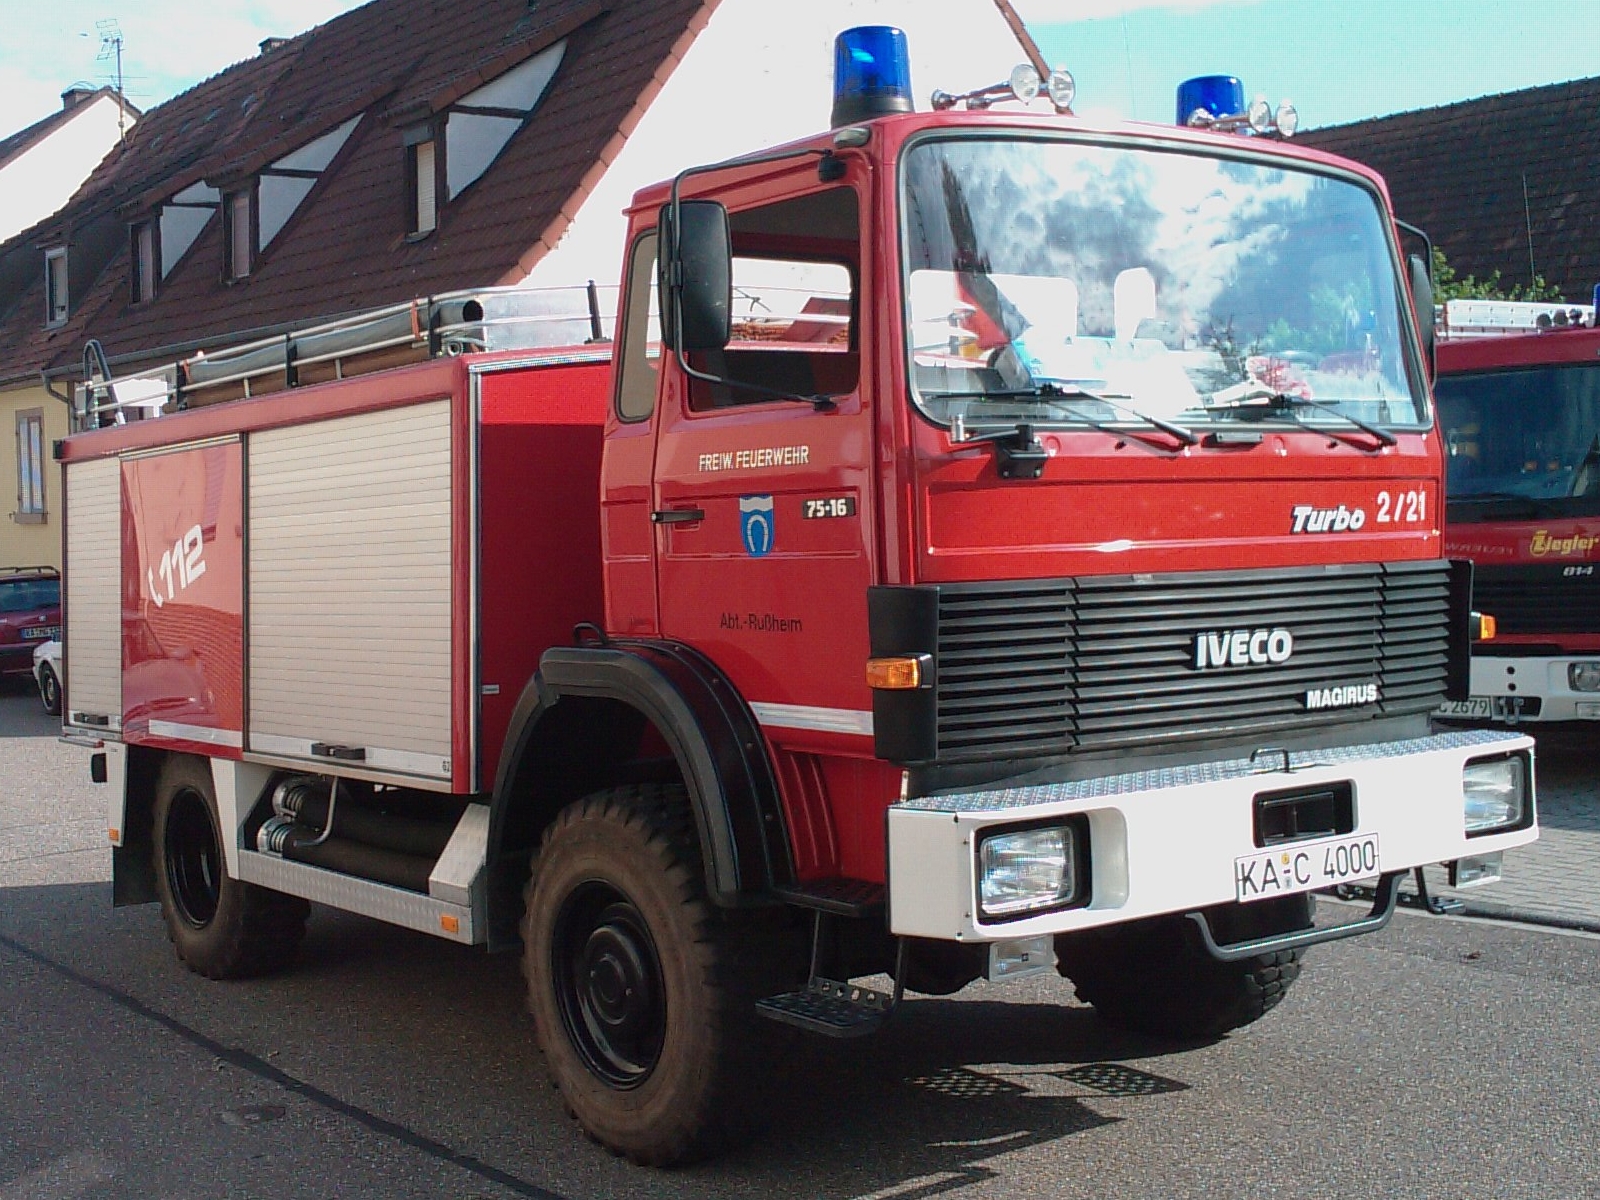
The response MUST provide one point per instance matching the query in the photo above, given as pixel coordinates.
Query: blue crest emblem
(755, 524)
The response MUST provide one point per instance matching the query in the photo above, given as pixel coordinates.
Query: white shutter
(239, 227)
(94, 589)
(426, 176)
(349, 588)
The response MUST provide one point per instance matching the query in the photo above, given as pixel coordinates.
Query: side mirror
(1422, 301)
(696, 276)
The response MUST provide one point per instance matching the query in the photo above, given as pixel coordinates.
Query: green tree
(1447, 286)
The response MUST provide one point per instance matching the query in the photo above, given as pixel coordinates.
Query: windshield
(1531, 434)
(1184, 286)
(26, 595)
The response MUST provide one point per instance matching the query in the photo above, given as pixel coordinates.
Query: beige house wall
(27, 540)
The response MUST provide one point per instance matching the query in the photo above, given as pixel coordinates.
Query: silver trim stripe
(824, 720)
(198, 733)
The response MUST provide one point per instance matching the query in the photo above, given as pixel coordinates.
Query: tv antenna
(111, 51)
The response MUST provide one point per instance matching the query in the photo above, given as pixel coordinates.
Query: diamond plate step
(831, 1008)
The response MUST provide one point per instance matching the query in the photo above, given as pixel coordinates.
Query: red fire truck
(991, 543)
(1519, 405)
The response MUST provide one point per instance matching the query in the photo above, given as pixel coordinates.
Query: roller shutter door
(93, 592)
(349, 588)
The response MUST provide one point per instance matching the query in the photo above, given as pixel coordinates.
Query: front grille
(1044, 667)
(1538, 599)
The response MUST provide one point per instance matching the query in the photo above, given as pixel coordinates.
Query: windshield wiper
(1055, 393)
(1253, 399)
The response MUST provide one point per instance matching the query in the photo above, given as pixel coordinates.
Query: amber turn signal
(1483, 627)
(898, 674)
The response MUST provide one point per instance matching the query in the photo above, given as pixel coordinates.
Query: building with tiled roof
(1504, 183)
(404, 149)
(42, 165)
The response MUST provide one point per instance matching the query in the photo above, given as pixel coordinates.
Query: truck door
(763, 496)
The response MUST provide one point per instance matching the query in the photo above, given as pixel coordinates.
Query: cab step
(838, 896)
(831, 1008)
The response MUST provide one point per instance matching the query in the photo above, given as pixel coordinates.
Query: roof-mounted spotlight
(1024, 85)
(871, 74)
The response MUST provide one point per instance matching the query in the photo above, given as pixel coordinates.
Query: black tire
(49, 690)
(1155, 977)
(642, 992)
(220, 927)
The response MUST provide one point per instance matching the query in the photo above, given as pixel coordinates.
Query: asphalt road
(1441, 1057)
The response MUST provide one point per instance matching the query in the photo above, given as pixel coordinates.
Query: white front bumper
(1545, 678)
(1165, 841)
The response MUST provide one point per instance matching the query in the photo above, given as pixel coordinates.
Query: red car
(30, 613)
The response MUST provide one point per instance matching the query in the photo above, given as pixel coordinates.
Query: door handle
(677, 516)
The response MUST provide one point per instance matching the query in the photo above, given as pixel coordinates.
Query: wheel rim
(52, 690)
(194, 858)
(609, 985)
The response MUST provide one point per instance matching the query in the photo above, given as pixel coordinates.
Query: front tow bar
(1384, 898)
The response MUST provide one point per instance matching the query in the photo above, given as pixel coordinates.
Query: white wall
(43, 177)
(761, 74)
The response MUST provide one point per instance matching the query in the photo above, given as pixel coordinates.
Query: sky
(1337, 60)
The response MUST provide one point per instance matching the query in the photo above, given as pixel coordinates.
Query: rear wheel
(220, 927)
(1154, 976)
(642, 992)
(49, 690)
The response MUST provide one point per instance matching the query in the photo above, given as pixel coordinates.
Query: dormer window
(238, 233)
(182, 220)
(283, 185)
(446, 155)
(55, 286)
(144, 258)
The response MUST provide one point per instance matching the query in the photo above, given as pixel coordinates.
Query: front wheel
(1154, 976)
(642, 1003)
(220, 927)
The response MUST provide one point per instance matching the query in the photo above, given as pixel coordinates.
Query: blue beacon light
(871, 74)
(1217, 95)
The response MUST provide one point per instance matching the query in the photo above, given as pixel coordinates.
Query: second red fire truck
(1519, 407)
(993, 543)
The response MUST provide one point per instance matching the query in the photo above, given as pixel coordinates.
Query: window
(641, 336)
(480, 124)
(283, 185)
(422, 178)
(449, 152)
(794, 305)
(30, 466)
(55, 286)
(182, 220)
(144, 262)
(239, 234)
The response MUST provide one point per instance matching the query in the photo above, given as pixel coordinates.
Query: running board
(392, 905)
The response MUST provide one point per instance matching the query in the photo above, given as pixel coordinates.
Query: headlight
(1494, 794)
(1584, 676)
(1027, 870)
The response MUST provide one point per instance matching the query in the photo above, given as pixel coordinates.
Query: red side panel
(539, 535)
(183, 599)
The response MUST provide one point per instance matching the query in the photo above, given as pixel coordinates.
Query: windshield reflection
(1179, 284)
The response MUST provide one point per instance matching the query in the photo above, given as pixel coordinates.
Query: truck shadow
(431, 1039)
